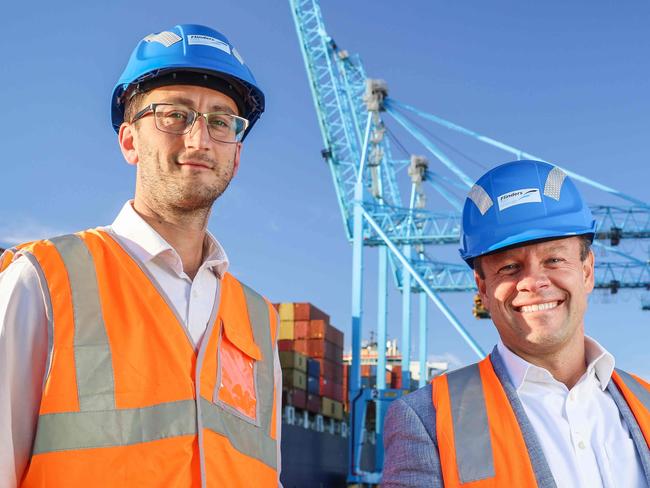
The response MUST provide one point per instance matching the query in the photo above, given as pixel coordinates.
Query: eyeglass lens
(178, 119)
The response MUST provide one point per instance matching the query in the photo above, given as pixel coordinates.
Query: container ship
(314, 396)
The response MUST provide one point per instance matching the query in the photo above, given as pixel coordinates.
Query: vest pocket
(236, 389)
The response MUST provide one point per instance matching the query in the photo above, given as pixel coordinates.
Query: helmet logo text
(517, 197)
(208, 41)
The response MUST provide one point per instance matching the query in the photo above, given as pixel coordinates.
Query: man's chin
(194, 203)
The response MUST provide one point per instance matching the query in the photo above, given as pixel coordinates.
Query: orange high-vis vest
(127, 401)
(479, 439)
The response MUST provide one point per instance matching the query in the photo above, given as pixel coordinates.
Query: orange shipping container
(306, 311)
(321, 329)
(318, 348)
(301, 329)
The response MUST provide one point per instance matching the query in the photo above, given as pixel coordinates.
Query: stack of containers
(294, 364)
(306, 330)
(313, 385)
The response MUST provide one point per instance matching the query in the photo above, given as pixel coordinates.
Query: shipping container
(292, 378)
(313, 367)
(293, 360)
(321, 329)
(286, 312)
(313, 385)
(331, 370)
(330, 389)
(313, 403)
(286, 330)
(318, 348)
(296, 398)
(332, 408)
(301, 329)
(307, 311)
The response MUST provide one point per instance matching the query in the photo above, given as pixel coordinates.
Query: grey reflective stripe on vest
(92, 353)
(470, 423)
(249, 439)
(258, 313)
(642, 394)
(81, 430)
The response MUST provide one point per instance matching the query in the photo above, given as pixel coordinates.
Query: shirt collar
(599, 363)
(146, 244)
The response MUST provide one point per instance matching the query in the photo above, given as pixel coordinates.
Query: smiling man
(547, 408)
(129, 355)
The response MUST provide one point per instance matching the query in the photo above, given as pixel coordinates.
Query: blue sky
(567, 81)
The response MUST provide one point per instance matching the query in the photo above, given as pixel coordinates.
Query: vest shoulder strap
(479, 439)
(636, 393)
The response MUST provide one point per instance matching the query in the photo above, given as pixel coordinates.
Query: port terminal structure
(353, 112)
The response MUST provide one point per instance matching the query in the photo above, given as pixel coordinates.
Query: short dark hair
(585, 247)
(132, 104)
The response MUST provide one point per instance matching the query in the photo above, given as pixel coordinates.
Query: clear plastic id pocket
(237, 367)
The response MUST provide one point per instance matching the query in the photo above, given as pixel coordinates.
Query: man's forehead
(549, 245)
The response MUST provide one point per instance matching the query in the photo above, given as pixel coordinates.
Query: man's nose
(199, 136)
(533, 278)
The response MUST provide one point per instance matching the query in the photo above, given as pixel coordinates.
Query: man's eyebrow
(557, 247)
(190, 103)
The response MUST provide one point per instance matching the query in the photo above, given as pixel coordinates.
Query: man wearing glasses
(129, 356)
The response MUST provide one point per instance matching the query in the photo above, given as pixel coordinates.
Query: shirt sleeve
(277, 374)
(23, 354)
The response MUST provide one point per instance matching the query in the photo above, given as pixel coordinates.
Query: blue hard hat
(194, 55)
(519, 202)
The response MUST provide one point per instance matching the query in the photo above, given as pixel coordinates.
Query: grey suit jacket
(411, 446)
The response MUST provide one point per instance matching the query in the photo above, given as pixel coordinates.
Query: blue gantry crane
(352, 112)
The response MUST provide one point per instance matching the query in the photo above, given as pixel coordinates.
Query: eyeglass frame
(151, 109)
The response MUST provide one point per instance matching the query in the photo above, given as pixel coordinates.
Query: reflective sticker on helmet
(553, 184)
(165, 38)
(237, 55)
(208, 41)
(517, 197)
(480, 198)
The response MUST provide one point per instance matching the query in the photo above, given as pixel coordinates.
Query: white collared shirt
(24, 338)
(192, 299)
(584, 438)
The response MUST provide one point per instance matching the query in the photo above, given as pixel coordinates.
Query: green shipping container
(293, 360)
(292, 378)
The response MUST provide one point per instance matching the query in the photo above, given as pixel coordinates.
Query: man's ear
(588, 271)
(480, 284)
(236, 159)
(126, 138)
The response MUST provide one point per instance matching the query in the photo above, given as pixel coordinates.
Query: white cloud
(448, 357)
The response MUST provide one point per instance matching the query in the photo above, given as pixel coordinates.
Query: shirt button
(572, 396)
(195, 293)
(581, 445)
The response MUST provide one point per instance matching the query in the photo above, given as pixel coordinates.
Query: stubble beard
(174, 192)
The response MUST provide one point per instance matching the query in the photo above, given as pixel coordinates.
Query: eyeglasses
(179, 119)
